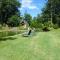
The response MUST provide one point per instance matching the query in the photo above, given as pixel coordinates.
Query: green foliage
(37, 22)
(8, 8)
(28, 18)
(40, 25)
(14, 21)
(55, 26)
(33, 23)
(50, 17)
(48, 24)
(52, 11)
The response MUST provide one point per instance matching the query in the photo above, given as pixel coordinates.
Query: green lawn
(41, 46)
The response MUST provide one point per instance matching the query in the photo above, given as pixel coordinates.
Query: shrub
(46, 29)
(55, 26)
(38, 30)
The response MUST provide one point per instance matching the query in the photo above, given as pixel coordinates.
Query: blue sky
(32, 7)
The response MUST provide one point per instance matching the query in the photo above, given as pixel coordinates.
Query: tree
(34, 23)
(52, 11)
(14, 21)
(28, 18)
(8, 8)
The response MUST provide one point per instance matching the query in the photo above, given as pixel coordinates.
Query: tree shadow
(7, 38)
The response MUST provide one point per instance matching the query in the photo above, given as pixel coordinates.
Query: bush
(55, 26)
(46, 29)
(38, 30)
(47, 26)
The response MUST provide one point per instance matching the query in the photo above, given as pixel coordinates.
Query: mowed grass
(41, 46)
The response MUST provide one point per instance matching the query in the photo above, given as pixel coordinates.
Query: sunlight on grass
(42, 46)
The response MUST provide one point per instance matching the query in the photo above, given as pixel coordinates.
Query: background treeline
(49, 18)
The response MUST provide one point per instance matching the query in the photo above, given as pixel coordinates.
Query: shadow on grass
(7, 38)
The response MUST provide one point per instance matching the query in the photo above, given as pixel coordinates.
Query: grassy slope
(42, 46)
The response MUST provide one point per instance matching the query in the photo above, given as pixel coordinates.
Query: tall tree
(52, 11)
(8, 8)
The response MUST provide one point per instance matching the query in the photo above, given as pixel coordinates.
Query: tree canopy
(8, 8)
(28, 18)
(52, 11)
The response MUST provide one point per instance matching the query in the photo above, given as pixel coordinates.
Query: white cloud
(28, 4)
(32, 7)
